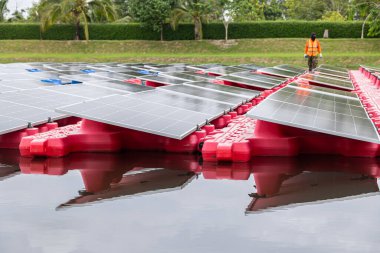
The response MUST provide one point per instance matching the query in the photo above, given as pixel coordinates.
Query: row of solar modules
(26, 99)
(188, 101)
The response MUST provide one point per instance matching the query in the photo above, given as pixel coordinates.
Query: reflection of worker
(312, 49)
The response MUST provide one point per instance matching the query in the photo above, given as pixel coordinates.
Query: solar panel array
(317, 111)
(328, 81)
(188, 100)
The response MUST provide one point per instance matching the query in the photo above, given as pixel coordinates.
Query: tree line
(156, 13)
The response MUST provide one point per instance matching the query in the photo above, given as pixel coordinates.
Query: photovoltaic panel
(248, 82)
(251, 67)
(326, 81)
(204, 76)
(141, 115)
(278, 72)
(332, 73)
(317, 112)
(260, 77)
(290, 68)
(86, 78)
(334, 68)
(112, 75)
(204, 67)
(184, 101)
(18, 108)
(120, 85)
(167, 80)
(223, 70)
(212, 95)
(184, 76)
(324, 90)
(248, 94)
(257, 77)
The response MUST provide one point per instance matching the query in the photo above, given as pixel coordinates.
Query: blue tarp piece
(87, 71)
(147, 72)
(59, 81)
(34, 70)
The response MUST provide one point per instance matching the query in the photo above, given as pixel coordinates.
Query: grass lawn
(341, 52)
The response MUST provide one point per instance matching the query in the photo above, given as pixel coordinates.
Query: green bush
(132, 31)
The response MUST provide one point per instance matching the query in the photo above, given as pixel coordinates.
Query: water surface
(146, 202)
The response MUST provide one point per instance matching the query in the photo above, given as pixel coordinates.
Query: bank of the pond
(340, 52)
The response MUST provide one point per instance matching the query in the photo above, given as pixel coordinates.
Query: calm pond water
(149, 202)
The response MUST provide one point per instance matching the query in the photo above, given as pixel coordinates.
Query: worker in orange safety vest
(312, 50)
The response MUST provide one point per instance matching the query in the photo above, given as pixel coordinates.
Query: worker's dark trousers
(312, 62)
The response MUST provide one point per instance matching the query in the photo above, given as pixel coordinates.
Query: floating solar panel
(248, 94)
(165, 80)
(184, 101)
(141, 115)
(371, 68)
(332, 73)
(251, 67)
(248, 82)
(184, 76)
(278, 72)
(112, 75)
(326, 81)
(120, 85)
(324, 90)
(223, 70)
(260, 77)
(318, 112)
(334, 68)
(213, 95)
(205, 76)
(203, 66)
(290, 68)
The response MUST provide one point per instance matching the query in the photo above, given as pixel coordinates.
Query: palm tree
(77, 11)
(196, 10)
(3, 9)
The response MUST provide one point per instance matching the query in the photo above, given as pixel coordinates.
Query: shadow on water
(276, 181)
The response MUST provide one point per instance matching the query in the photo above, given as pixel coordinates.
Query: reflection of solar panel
(323, 113)
(187, 77)
(148, 112)
(249, 94)
(259, 77)
(213, 95)
(248, 82)
(326, 81)
(324, 90)
(290, 68)
(278, 72)
(167, 80)
(223, 70)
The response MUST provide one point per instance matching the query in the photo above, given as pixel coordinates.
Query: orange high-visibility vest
(312, 48)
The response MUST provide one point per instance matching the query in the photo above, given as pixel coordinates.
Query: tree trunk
(162, 32)
(197, 28)
(226, 30)
(77, 30)
(363, 26)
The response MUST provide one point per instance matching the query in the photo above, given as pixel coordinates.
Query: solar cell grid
(224, 70)
(212, 95)
(278, 72)
(318, 112)
(257, 76)
(140, 115)
(249, 94)
(324, 90)
(324, 80)
(163, 80)
(248, 82)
